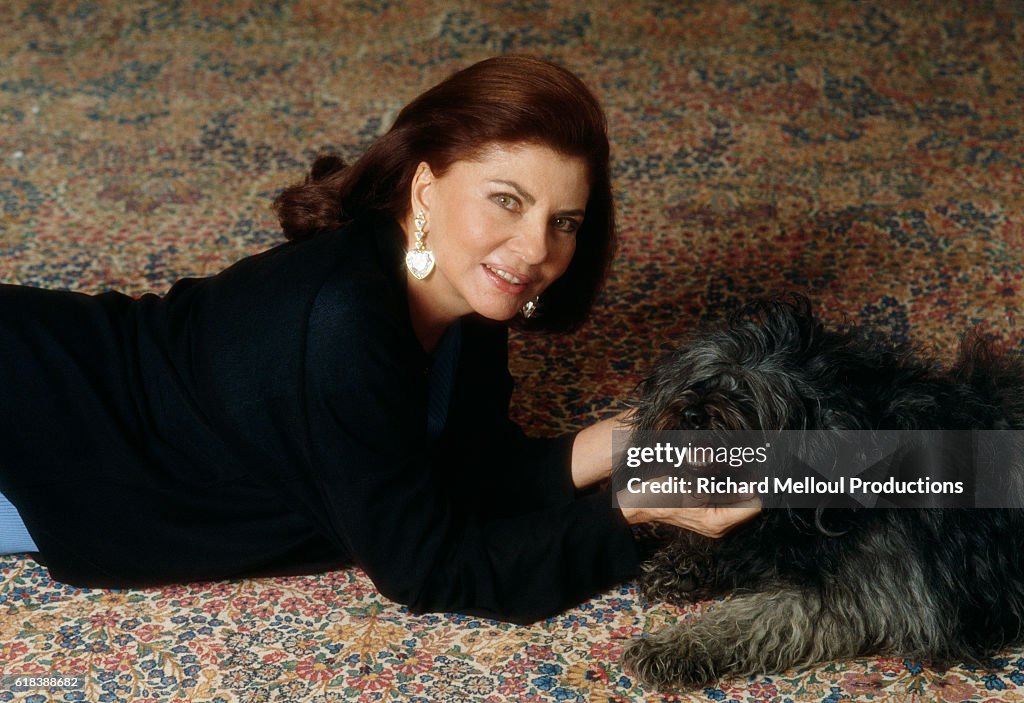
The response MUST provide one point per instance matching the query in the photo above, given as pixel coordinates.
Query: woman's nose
(531, 242)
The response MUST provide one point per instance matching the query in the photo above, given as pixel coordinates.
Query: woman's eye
(567, 224)
(506, 201)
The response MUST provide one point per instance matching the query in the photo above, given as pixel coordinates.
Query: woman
(342, 398)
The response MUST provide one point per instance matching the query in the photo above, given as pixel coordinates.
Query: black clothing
(273, 419)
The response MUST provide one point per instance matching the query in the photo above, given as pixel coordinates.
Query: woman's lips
(508, 281)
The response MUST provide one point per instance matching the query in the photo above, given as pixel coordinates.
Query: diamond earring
(420, 260)
(530, 308)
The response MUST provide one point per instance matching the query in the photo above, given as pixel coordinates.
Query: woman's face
(502, 228)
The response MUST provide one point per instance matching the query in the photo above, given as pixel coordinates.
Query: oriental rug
(868, 154)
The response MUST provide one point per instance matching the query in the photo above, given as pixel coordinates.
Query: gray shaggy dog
(941, 585)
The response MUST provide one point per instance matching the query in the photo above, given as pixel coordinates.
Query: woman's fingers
(703, 513)
(711, 521)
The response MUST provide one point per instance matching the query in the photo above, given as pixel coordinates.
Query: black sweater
(271, 420)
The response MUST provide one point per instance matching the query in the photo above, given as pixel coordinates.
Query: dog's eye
(695, 417)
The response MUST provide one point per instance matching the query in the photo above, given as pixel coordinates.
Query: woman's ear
(422, 182)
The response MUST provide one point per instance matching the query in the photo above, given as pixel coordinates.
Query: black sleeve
(488, 455)
(391, 512)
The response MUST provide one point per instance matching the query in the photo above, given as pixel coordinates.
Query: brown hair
(504, 100)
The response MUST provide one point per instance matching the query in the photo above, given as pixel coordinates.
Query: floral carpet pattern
(868, 154)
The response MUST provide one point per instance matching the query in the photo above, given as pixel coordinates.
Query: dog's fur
(939, 585)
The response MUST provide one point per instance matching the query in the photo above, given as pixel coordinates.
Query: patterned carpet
(868, 154)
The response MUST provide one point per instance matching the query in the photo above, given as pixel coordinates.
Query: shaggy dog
(943, 585)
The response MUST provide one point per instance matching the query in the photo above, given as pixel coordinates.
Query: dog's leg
(771, 631)
(679, 574)
(747, 634)
(691, 568)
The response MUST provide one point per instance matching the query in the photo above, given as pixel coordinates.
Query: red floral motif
(953, 689)
(314, 669)
(11, 651)
(373, 680)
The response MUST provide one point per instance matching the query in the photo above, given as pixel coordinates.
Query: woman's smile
(505, 275)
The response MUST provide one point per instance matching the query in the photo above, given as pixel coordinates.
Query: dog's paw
(668, 663)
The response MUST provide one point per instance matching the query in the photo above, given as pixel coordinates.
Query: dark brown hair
(502, 100)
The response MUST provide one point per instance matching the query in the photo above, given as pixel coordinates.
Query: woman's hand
(690, 511)
(592, 457)
(592, 461)
(708, 520)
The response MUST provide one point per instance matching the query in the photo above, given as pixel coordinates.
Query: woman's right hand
(690, 513)
(710, 521)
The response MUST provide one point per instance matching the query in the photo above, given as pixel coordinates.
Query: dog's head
(769, 366)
